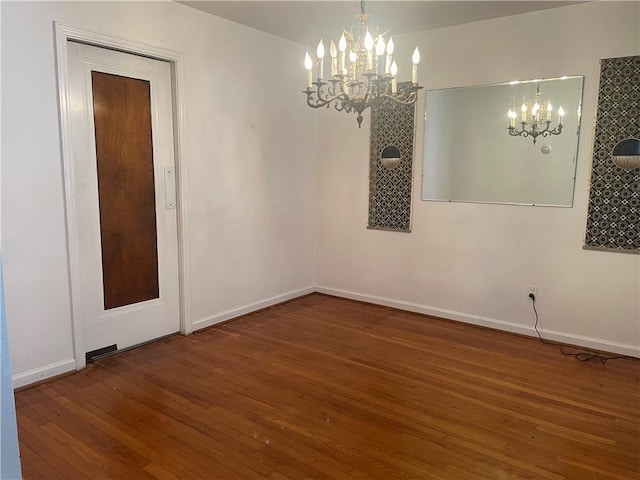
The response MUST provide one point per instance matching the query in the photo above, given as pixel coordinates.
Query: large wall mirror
(469, 155)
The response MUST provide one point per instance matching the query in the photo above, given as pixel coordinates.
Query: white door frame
(64, 33)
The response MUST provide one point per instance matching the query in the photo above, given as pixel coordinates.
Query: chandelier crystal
(536, 119)
(363, 72)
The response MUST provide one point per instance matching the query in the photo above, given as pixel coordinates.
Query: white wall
(251, 155)
(473, 262)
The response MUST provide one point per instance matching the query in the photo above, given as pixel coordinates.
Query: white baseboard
(237, 312)
(69, 365)
(587, 342)
(44, 372)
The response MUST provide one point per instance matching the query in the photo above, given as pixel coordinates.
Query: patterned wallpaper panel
(390, 186)
(613, 221)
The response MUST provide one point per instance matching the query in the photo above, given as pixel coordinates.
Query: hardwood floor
(327, 388)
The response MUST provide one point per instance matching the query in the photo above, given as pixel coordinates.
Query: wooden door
(124, 189)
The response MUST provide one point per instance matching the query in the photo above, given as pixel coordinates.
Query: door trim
(63, 34)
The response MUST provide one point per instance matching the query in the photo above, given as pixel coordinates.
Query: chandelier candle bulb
(534, 111)
(549, 109)
(334, 59)
(308, 64)
(560, 115)
(394, 80)
(524, 113)
(387, 68)
(416, 60)
(342, 46)
(368, 45)
(320, 52)
(354, 68)
(380, 46)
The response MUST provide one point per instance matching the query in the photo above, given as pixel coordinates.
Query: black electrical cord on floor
(584, 355)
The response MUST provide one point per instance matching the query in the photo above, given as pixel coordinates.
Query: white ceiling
(307, 21)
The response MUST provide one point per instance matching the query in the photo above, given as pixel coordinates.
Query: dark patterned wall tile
(390, 187)
(614, 197)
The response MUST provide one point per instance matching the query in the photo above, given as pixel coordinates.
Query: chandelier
(536, 119)
(361, 74)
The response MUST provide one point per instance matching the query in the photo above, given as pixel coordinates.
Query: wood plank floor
(327, 388)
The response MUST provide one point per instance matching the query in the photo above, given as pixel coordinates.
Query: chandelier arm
(331, 90)
(556, 131)
(533, 133)
(366, 98)
(343, 104)
(323, 97)
(316, 102)
(518, 133)
(409, 99)
(341, 101)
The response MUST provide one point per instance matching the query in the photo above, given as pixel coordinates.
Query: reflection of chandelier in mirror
(536, 119)
(361, 74)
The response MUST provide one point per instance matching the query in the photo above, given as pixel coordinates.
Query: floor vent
(94, 355)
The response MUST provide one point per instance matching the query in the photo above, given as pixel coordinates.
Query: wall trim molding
(253, 307)
(569, 339)
(42, 373)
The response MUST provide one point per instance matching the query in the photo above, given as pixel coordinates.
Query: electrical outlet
(532, 289)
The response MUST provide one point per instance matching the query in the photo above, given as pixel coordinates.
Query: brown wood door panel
(126, 189)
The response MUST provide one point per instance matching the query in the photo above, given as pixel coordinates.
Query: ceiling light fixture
(536, 119)
(361, 74)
